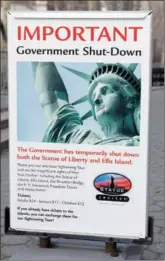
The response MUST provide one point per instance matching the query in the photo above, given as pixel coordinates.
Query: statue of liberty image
(114, 97)
(112, 184)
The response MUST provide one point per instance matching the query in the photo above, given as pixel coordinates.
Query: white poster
(79, 96)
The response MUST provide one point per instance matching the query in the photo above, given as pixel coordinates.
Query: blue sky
(30, 116)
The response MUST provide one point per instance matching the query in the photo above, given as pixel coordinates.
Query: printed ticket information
(79, 108)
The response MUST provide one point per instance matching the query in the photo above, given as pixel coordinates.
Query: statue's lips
(100, 108)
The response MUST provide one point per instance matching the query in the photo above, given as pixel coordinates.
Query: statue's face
(108, 103)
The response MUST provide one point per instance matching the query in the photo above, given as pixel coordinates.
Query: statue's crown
(126, 73)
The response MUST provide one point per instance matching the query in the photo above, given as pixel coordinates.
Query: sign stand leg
(45, 241)
(111, 247)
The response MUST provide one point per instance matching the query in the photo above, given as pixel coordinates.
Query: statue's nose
(98, 101)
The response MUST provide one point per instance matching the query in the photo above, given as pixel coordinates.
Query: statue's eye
(104, 90)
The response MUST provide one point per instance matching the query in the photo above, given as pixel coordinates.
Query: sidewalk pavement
(21, 244)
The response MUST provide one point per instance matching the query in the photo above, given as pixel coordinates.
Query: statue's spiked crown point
(82, 75)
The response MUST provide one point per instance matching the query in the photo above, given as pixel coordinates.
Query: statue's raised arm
(50, 87)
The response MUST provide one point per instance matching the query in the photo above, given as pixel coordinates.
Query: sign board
(79, 96)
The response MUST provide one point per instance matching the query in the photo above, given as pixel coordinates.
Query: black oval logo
(112, 184)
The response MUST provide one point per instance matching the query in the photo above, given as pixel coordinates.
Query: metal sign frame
(73, 15)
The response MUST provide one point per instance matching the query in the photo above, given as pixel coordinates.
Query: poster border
(82, 15)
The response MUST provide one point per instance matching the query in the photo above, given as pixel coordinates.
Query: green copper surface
(114, 100)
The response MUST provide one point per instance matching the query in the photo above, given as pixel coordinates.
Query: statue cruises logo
(112, 186)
